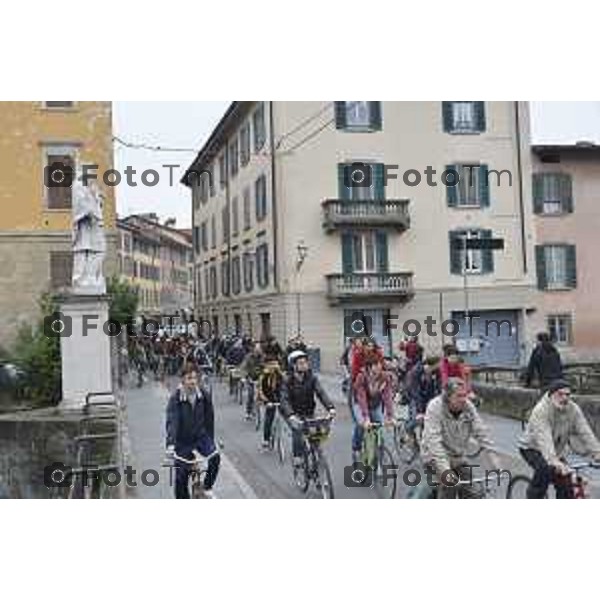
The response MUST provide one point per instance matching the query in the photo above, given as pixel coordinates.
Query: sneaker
(248, 416)
(208, 495)
(297, 462)
(266, 445)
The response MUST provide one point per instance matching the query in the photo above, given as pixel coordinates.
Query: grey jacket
(446, 436)
(551, 431)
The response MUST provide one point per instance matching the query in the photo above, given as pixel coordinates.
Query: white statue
(89, 242)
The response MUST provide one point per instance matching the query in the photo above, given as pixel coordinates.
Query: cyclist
(451, 421)
(269, 393)
(190, 432)
(298, 399)
(252, 367)
(373, 395)
(422, 385)
(556, 422)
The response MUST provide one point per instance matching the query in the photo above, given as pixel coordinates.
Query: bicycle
(197, 473)
(235, 386)
(377, 457)
(408, 444)
(276, 439)
(314, 467)
(517, 488)
(481, 483)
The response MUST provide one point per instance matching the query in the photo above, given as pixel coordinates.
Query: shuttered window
(556, 266)
(358, 115)
(61, 270)
(552, 193)
(460, 116)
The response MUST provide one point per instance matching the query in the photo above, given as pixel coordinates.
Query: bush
(39, 358)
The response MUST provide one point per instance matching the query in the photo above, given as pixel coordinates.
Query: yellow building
(35, 221)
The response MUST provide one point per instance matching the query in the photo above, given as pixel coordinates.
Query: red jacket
(460, 370)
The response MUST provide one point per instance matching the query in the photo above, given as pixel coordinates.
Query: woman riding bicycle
(269, 387)
(373, 395)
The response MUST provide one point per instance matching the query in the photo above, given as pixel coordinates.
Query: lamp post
(302, 252)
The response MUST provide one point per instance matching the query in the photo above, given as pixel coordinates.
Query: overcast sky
(186, 125)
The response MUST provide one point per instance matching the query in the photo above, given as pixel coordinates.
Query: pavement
(248, 471)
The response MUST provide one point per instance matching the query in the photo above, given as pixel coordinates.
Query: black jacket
(544, 364)
(187, 423)
(298, 396)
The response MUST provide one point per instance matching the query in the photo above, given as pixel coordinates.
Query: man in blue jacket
(190, 432)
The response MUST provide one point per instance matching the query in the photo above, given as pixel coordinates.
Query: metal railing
(88, 482)
(378, 213)
(353, 285)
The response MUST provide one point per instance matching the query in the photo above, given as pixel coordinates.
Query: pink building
(566, 197)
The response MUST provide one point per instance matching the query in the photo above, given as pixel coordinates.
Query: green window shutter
(484, 187)
(343, 190)
(378, 172)
(381, 244)
(566, 192)
(480, 116)
(538, 189)
(447, 116)
(340, 114)
(456, 267)
(571, 266)
(375, 115)
(540, 265)
(487, 254)
(452, 190)
(347, 262)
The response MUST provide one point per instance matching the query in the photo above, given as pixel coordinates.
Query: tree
(123, 300)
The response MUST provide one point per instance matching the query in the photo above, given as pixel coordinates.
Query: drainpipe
(274, 199)
(521, 193)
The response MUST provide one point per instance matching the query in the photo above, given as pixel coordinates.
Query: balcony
(365, 213)
(353, 286)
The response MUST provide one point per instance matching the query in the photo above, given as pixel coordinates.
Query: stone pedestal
(86, 357)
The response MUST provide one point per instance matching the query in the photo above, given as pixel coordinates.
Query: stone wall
(515, 402)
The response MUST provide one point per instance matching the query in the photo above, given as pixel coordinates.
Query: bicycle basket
(317, 429)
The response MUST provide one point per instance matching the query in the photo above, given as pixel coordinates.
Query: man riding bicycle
(451, 422)
(556, 423)
(190, 432)
(298, 399)
(373, 395)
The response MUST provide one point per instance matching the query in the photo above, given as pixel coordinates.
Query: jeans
(298, 446)
(206, 447)
(251, 397)
(270, 411)
(375, 415)
(543, 476)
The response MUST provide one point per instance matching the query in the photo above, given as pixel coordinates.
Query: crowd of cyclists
(442, 418)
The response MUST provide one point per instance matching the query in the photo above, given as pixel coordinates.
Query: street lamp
(302, 253)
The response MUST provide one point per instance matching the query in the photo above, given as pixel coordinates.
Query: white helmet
(294, 356)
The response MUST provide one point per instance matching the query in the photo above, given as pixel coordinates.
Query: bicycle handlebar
(577, 466)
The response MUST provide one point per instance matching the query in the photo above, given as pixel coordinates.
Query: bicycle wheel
(385, 475)
(324, 481)
(517, 487)
(406, 449)
(257, 416)
(280, 444)
(300, 474)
